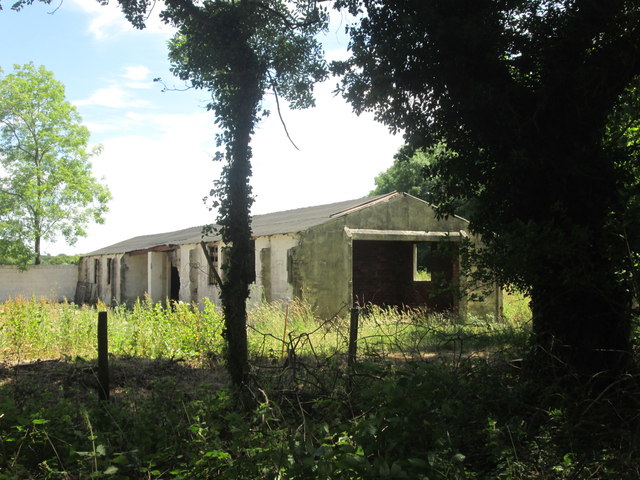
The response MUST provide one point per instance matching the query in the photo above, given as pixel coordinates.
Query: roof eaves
(434, 207)
(381, 199)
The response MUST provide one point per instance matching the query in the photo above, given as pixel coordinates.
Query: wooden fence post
(103, 357)
(284, 333)
(353, 336)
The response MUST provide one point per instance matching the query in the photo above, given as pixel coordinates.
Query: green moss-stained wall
(322, 267)
(402, 213)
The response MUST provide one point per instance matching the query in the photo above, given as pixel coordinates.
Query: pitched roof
(288, 221)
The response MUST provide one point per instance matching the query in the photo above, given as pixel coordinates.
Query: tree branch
(284, 125)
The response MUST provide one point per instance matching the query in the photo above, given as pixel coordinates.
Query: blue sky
(157, 146)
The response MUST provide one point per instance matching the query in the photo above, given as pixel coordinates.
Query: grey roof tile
(288, 221)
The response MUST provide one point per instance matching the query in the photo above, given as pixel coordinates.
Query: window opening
(213, 255)
(109, 268)
(422, 256)
(174, 287)
(96, 270)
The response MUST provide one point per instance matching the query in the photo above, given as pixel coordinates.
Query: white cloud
(138, 85)
(158, 164)
(109, 21)
(113, 97)
(106, 20)
(178, 127)
(95, 127)
(136, 72)
(157, 181)
(138, 76)
(340, 155)
(158, 178)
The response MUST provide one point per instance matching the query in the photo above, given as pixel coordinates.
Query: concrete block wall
(53, 282)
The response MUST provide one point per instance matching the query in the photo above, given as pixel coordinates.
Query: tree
(523, 91)
(407, 174)
(623, 133)
(411, 173)
(19, 4)
(238, 50)
(46, 188)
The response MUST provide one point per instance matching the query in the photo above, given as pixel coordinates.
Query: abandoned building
(387, 250)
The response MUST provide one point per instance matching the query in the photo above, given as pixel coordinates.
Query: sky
(158, 146)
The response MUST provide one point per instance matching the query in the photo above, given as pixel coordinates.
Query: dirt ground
(128, 376)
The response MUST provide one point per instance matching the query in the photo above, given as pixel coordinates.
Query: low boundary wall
(53, 282)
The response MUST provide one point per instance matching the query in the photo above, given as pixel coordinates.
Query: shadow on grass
(472, 417)
(52, 424)
(133, 377)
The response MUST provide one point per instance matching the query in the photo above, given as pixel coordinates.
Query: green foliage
(418, 334)
(39, 329)
(411, 172)
(60, 259)
(238, 51)
(393, 415)
(516, 307)
(46, 187)
(623, 132)
(20, 4)
(278, 328)
(523, 92)
(32, 328)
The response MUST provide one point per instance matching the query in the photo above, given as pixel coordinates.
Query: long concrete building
(386, 250)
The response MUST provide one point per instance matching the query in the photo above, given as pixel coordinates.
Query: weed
(37, 329)
(420, 402)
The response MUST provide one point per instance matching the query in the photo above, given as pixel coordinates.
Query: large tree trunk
(235, 290)
(235, 217)
(581, 319)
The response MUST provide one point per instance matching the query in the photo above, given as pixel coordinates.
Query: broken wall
(134, 277)
(323, 263)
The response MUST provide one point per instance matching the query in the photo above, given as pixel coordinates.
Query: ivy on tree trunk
(235, 194)
(237, 50)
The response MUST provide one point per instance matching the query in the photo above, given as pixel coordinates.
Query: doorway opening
(174, 287)
(406, 274)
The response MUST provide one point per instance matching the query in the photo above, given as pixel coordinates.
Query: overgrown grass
(416, 333)
(399, 413)
(36, 329)
(278, 328)
(33, 329)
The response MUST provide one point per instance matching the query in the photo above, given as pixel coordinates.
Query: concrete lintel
(403, 235)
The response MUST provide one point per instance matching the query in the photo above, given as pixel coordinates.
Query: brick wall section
(53, 282)
(382, 272)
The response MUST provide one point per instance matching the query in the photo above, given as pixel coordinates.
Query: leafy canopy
(46, 184)
(520, 90)
(412, 172)
(237, 51)
(523, 91)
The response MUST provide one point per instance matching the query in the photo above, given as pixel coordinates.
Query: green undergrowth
(37, 329)
(475, 419)
(430, 397)
(415, 333)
